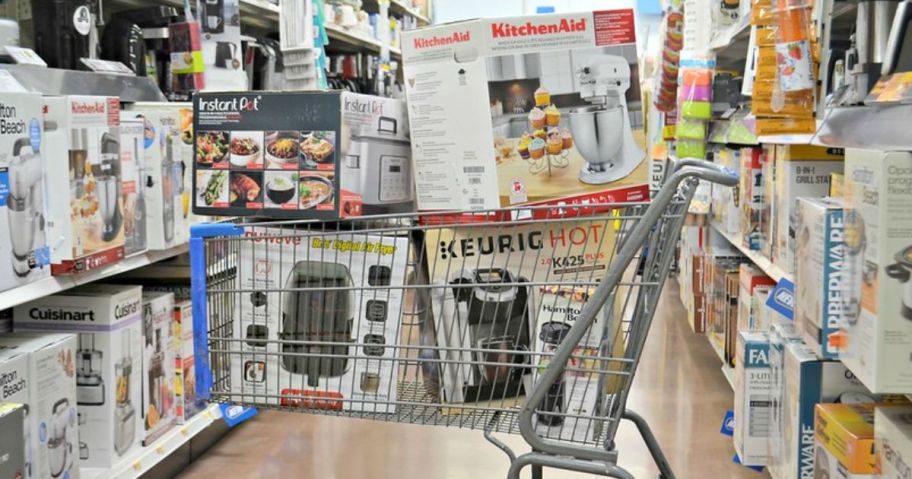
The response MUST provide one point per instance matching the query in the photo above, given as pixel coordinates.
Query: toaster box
(752, 398)
(878, 222)
(12, 447)
(820, 283)
(542, 109)
(186, 404)
(159, 351)
(133, 169)
(313, 155)
(85, 213)
(893, 441)
(107, 320)
(14, 389)
(166, 225)
(361, 317)
(23, 231)
(845, 441)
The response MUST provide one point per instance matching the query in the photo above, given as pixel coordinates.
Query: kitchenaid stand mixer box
(158, 365)
(107, 319)
(526, 110)
(357, 377)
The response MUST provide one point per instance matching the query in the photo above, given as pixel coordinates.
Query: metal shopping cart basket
(528, 321)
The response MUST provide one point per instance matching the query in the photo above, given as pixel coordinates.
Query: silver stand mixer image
(60, 450)
(602, 131)
(107, 179)
(25, 205)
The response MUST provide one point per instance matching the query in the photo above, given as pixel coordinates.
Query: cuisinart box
(85, 210)
(893, 436)
(133, 168)
(349, 291)
(158, 365)
(108, 361)
(878, 224)
(752, 397)
(22, 225)
(526, 110)
(320, 155)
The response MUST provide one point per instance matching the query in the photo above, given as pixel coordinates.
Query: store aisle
(679, 390)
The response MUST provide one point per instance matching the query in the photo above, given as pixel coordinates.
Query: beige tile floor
(678, 389)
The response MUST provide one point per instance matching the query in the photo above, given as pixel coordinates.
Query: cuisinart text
(61, 314)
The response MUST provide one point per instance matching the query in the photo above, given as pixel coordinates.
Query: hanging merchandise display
(220, 22)
(158, 365)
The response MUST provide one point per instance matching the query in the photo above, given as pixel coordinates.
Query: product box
(315, 155)
(360, 375)
(12, 447)
(820, 283)
(768, 212)
(893, 441)
(801, 171)
(542, 109)
(85, 212)
(14, 389)
(186, 404)
(133, 169)
(22, 230)
(752, 398)
(845, 441)
(751, 279)
(166, 226)
(159, 351)
(725, 199)
(108, 360)
(750, 191)
(878, 223)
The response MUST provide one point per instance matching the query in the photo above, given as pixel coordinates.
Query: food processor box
(12, 447)
(85, 210)
(107, 321)
(22, 223)
(14, 389)
(301, 155)
(159, 352)
(845, 440)
(360, 377)
(133, 169)
(542, 109)
(185, 370)
(893, 441)
(166, 225)
(752, 397)
(878, 222)
(820, 284)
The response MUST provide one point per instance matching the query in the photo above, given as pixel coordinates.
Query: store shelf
(730, 45)
(762, 262)
(52, 81)
(56, 284)
(259, 14)
(349, 40)
(397, 7)
(876, 127)
(143, 459)
(729, 373)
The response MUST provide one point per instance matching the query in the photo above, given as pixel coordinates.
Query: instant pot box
(301, 155)
(363, 320)
(85, 210)
(752, 398)
(542, 109)
(159, 351)
(23, 236)
(878, 224)
(133, 169)
(12, 447)
(893, 436)
(845, 441)
(108, 362)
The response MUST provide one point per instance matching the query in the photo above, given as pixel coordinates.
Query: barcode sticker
(473, 169)
(476, 201)
(475, 180)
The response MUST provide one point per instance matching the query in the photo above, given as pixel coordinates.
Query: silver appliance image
(90, 387)
(107, 180)
(377, 165)
(552, 334)
(868, 53)
(226, 55)
(156, 370)
(135, 237)
(318, 314)
(212, 18)
(83, 446)
(60, 449)
(602, 132)
(168, 182)
(901, 271)
(25, 205)
(124, 413)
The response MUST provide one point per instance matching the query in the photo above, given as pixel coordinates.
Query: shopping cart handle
(729, 176)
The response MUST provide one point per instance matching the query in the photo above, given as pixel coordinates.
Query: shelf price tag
(160, 450)
(185, 432)
(137, 466)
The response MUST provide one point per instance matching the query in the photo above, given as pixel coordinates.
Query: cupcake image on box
(537, 148)
(537, 118)
(542, 97)
(552, 116)
(539, 133)
(566, 139)
(523, 146)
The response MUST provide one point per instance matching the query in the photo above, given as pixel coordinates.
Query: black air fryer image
(552, 334)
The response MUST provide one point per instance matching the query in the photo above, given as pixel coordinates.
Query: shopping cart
(517, 323)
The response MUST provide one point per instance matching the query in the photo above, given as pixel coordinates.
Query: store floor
(678, 389)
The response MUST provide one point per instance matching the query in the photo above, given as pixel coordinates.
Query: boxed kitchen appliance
(542, 109)
(159, 350)
(845, 441)
(185, 371)
(12, 446)
(14, 388)
(133, 169)
(319, 155)
(22, 227)
(85, 210)
(360, 376)
(752, 281)
(768, 211)
(750, 191)
(893, 436)
(108, 361)
(878, 227)
(752, 398)
(820, 284)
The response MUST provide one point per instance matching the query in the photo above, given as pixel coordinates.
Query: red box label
(614, 27)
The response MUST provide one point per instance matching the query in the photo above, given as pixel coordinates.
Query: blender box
(303, 155)
(542, 109)
(878, 227)
(893, 441)
(107, 320)
(363, 320)
(159, 351)
(845, 441)
(85, 210)
(166, 226)
(133, 169)
(820, 282)
(12, 447)
(22, 180)
(186, 404)
(801, 170)
(752, 397)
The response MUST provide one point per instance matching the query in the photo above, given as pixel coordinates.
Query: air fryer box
(752, 398)
(159, 350)
(302, 155)
(12, 447)
(893, 436)
(23, 236)
(108, 363)
(845, 441)
(133, 168)
(358, 372)
(542, 109)
(14, 388)
(85, 207)
(185, 370)
(878, 223)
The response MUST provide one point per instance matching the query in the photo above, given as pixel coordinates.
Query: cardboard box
(751, 279)
(751, 196)
(768, 230)
(159, 350)
(85, 211)
(12, 447)
(316, 155)
(752, 398)
(725, 199)
(14, 389)
(554, 78)
(845, 441)
(133, 169)
(108, 361)
(893, 436)
(186, 404)
(878, 224)
(22, 230)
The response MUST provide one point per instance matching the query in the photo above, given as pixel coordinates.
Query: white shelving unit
(727, 371)
(762, 262)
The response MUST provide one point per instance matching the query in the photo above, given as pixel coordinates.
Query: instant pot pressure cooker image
(377, 165)
(901, 271)
(59, 449)
(318, 314)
